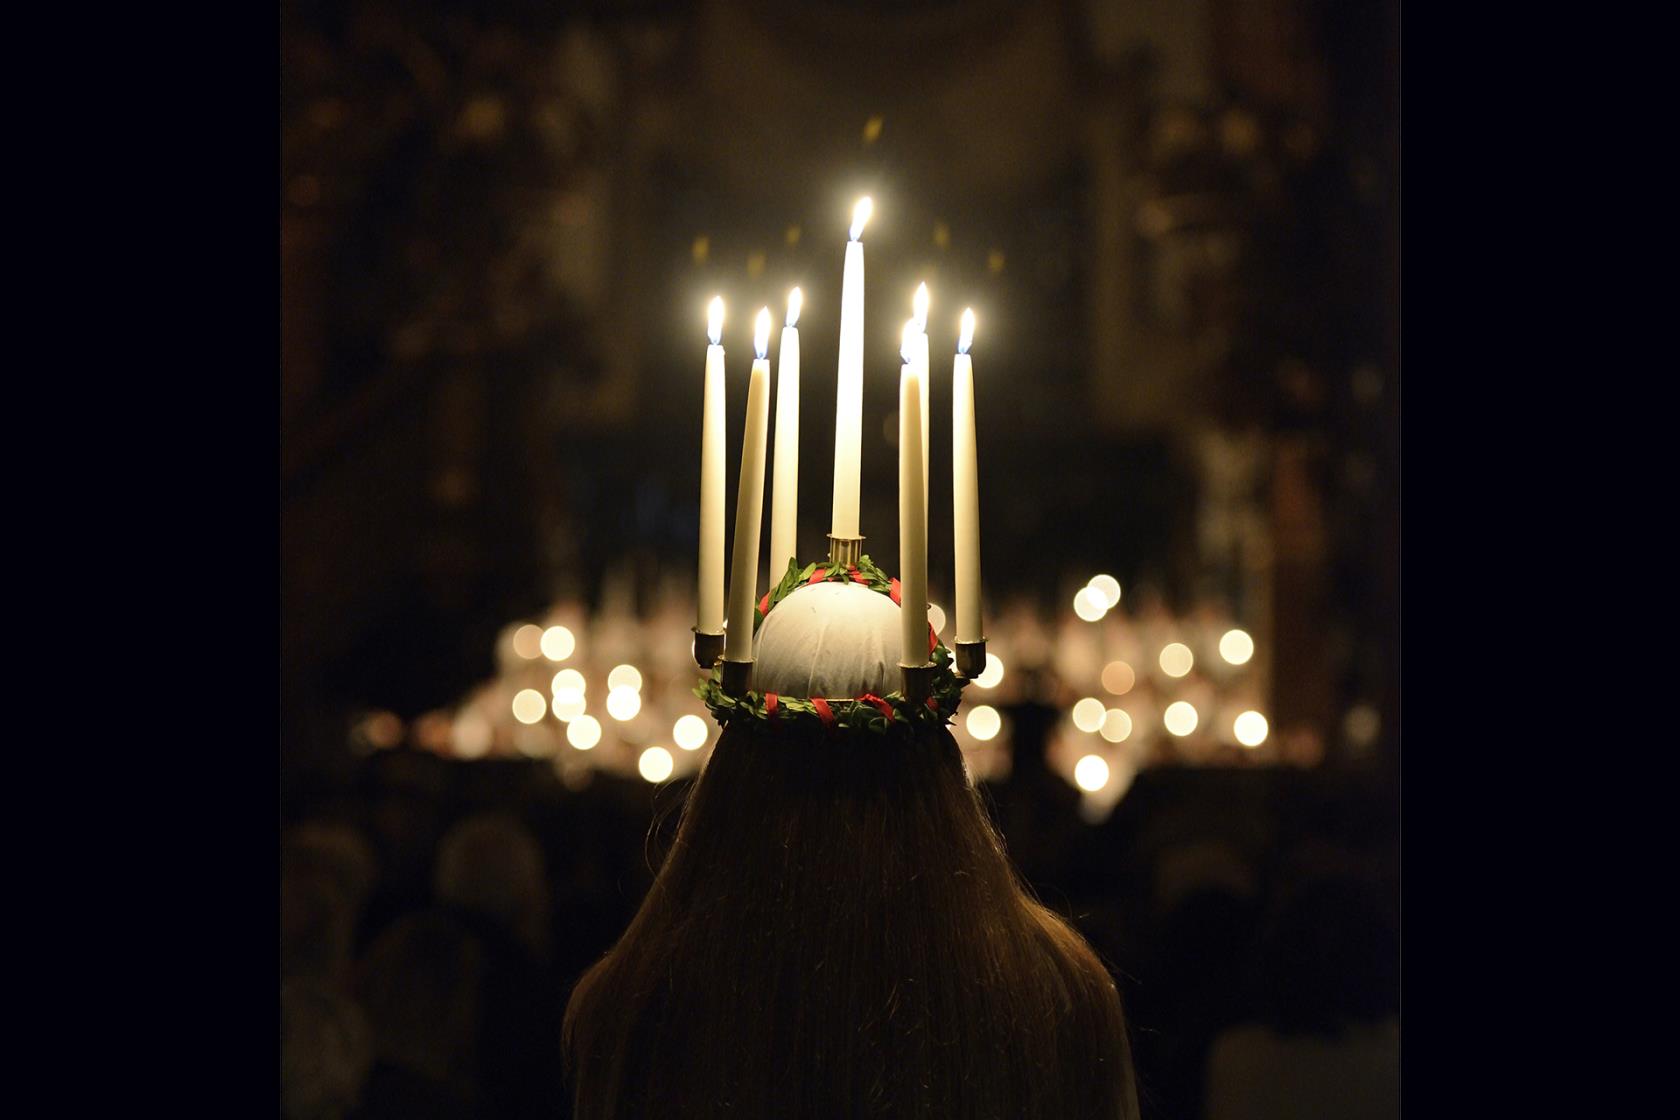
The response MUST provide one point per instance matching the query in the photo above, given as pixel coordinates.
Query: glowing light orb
(568, 705)
(623, 703)
(1116, 725)
(529, 705)
(557, 643)
(1089, 605)
(1090, 773)
(936, 618)
(527, 641)
(656, 764)
(690, 733)
(1176, 659)
(1250, 729)
(1362, 725)
(992, 675)
(534, 742)
(433, 730)
(1236, 647)
(625, 676)
(383, 729)
(568, 680)
(583, 732)
(1108, 587)
(984, 722)
(1181, 717)
(1118, 677)
(1088, 714)
(472, 734)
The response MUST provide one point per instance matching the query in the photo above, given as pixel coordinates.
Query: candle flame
(714, 320)
(860, 215)
(907, 342)
(919, 306)
(967, 338)
(761, 332)
(796, 301)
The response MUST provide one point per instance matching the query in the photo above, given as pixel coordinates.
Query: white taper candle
(708, 617)
(965, 504)
(920, 308)
(784, 492)
(912, 512)
(848, 398)
(749, 502)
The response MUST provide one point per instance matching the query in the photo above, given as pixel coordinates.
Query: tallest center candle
(709, 595)
(848, 398)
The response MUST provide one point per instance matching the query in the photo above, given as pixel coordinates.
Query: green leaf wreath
(869, 712)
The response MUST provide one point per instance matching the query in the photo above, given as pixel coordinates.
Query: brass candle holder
(971, 658)
(844, 550)
(707, 648)
(917, 682)
(737, 677)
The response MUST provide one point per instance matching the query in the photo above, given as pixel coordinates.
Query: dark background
(1179, 224)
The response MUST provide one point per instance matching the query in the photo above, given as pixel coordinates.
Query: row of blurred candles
(612, 693)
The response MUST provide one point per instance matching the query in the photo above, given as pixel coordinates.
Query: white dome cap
(831, 640)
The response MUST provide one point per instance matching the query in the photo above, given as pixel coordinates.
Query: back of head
(337, 850)
(326, 872)
(490, 865)
(421, 989)
(837, 931)
(324, 1051)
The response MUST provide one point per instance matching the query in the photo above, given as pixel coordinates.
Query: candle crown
(967, 338)
(770, 668)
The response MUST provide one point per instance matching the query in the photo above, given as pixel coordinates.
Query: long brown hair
(837, 932)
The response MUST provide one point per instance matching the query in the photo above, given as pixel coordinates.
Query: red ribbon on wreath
(884, 707)
(895, 592)
(817, 576)
(764, 604)
(824, 713)
(770, 704)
